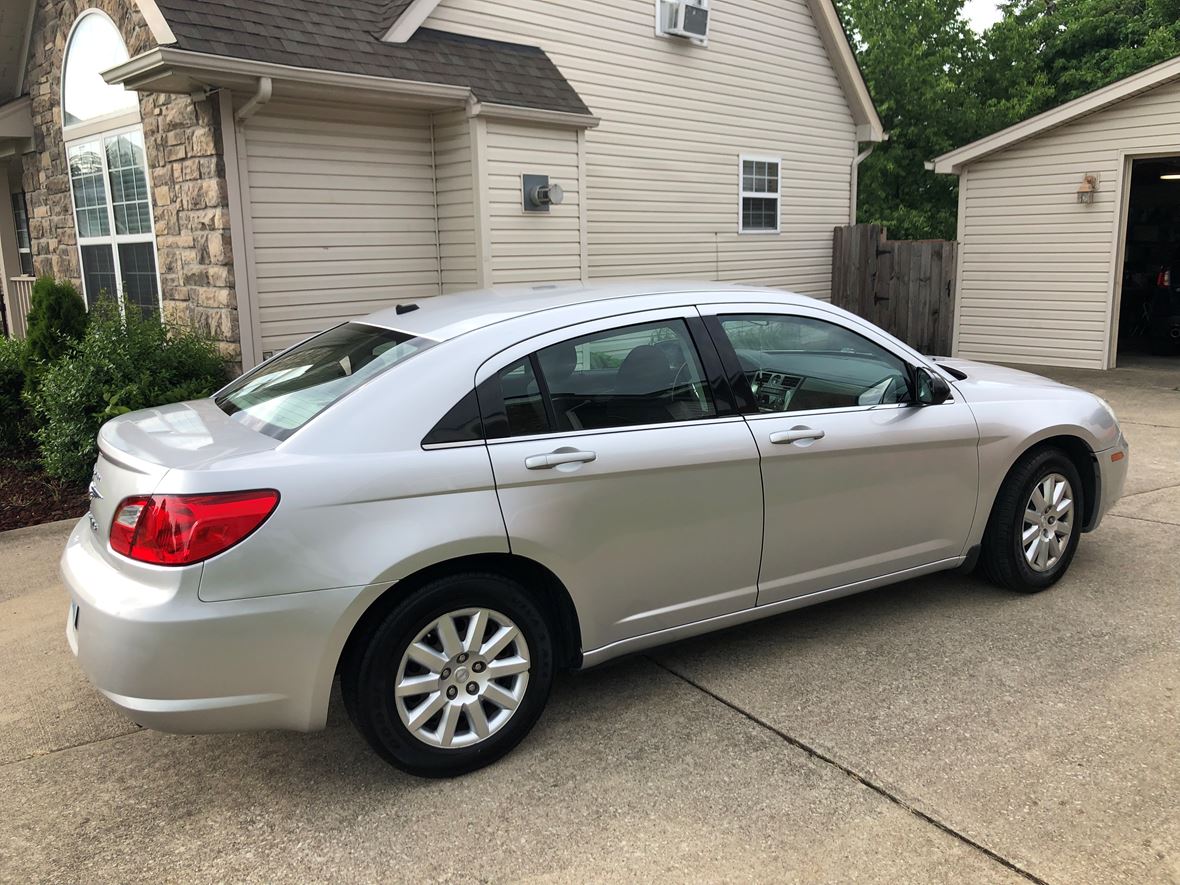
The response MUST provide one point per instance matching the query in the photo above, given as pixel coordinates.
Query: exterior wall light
(540, 194)
(1087, 189)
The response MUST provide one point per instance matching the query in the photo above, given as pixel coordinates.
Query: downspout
(860, 158)
(257, 100)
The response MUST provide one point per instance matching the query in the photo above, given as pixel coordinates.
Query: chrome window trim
(537, 437)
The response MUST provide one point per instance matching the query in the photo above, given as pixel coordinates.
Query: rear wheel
(453, 677)
(1035, 523)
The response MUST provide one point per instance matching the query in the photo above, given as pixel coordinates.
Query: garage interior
(1149, 316)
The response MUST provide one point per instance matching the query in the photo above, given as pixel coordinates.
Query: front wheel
(1035, 524)
(454, 677)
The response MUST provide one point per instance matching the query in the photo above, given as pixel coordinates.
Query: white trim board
(410, 20)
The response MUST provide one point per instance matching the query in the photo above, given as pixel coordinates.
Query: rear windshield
(282, 395)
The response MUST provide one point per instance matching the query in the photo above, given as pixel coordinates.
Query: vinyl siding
(1037, 266)
(532, 247)
(456, 201)
(662, 168)
(343, 210)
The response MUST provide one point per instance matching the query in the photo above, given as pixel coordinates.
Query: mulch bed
(29, 497)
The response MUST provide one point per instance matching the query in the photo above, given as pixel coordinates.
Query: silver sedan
(441, 504)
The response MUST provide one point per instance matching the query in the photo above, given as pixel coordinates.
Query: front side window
(760, 185)
(282, 395)
(796, 363)
(24, 245)
(632, 376)
(108, 170)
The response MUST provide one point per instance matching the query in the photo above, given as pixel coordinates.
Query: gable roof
(408, 16)
(952, 163)
(347, 37)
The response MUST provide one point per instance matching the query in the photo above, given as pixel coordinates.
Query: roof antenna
(406, 308)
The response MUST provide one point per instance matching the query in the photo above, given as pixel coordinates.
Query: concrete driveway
(939, 730)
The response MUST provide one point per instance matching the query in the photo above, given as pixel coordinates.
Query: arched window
(108, 169)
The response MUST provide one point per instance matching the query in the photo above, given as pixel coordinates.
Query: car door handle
(556, 459)
(795, 435)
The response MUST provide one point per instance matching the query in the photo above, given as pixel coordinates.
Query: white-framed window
(760, 186)
(24, 244)
(109, 181)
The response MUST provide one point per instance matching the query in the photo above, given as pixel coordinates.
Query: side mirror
(932, 388)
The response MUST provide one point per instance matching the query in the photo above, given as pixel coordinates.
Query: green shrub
(15, 425)
(57, 320)
(122, 364)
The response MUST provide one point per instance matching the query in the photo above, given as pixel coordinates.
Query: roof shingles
(346, 37)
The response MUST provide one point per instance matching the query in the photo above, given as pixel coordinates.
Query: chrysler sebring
(444, 503)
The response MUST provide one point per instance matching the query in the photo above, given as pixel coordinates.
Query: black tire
(1003, 557)
(369, 674)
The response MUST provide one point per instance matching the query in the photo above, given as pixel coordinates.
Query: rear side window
(282, 395)
(625, 377)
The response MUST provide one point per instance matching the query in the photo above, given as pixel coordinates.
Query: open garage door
(1149, 307)
(343, 215)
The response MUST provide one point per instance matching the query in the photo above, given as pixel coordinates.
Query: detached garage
(1069, 225)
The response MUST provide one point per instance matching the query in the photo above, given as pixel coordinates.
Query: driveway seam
(1149, 491)
(859, 778)
(1146, 424)
(76, 746)
(1145, 519)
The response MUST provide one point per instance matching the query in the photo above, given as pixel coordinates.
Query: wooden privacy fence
(906, 287)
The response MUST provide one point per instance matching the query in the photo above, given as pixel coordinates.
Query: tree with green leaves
(916, 56)
(938, 85)
(1043, 53)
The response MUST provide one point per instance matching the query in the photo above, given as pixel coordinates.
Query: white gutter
(855, 179)
(257, 100)
(219, 71)
(209, 68)
(531, 115)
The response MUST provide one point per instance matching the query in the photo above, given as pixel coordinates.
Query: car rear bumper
(171, 662)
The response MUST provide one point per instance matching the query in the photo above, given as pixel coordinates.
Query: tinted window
(282, 395)
(524, 408)
(461, 424)
(797, 363)
(644, 374)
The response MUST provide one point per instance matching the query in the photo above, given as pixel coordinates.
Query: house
(263, 169)
(1068, 223)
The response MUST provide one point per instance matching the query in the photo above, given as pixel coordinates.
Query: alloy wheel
(462, 677)
(1048, 522)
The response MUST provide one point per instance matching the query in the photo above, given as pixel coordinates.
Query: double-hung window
(108, 170)
(108, 176)
(760, 195)
(24, 245)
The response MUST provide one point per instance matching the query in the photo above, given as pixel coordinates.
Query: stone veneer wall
(185, 167)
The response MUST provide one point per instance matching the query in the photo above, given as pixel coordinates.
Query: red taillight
(183, 529)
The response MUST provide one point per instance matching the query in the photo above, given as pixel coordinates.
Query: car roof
(442, 317)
